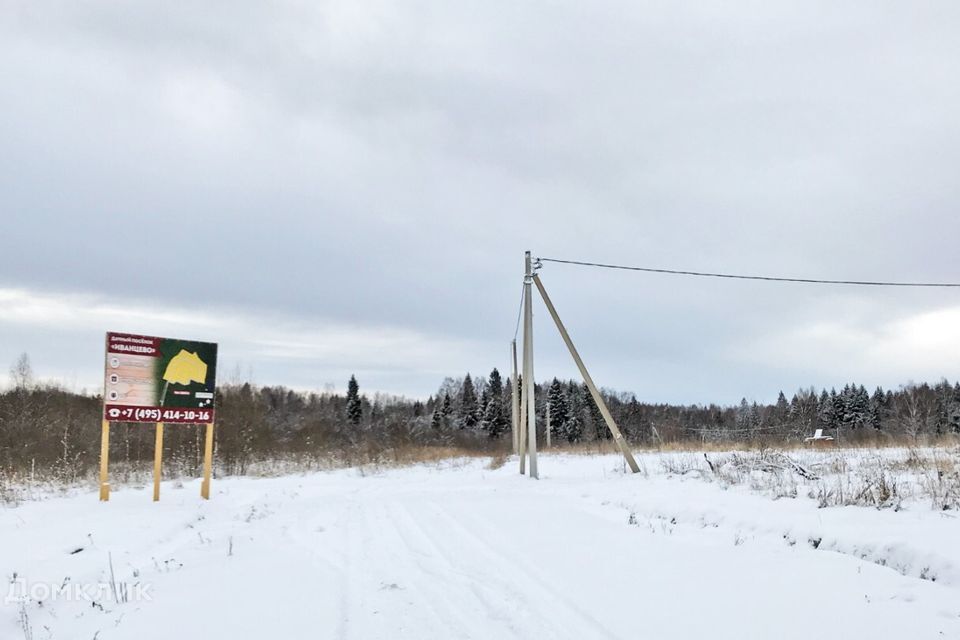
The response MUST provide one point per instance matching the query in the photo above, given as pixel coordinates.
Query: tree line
(46, 429)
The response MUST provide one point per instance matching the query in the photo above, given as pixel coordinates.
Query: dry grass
(369, 461)
(868, 488)
(880, 478)
(870, 443)
(16, 488)
(498, 461)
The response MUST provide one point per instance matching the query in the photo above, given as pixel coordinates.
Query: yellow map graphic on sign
(184, 368)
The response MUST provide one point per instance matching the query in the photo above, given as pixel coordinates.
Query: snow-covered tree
(878, 409)
(468, 416)
(354, 405)
(495, 415)
(559, 412)
(826, 416)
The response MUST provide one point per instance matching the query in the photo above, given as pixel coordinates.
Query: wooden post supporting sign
(104, 461)
(157, 462)
(207, 463)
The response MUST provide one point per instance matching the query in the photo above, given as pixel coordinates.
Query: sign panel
(150, 379)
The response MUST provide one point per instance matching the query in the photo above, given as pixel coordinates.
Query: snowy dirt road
(461, 551)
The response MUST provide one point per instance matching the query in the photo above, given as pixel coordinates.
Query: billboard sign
(150, 379)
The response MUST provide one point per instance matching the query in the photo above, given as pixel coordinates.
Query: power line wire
(705, 274)
(519, 314)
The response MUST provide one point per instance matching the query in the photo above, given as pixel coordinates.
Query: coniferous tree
(843, 408)
(781, 413)
(744, 419)
(575, 412)
(596, 418)
(878, 409)
(447, 407)
(354, 405)
(826, 416)
(814, 409)
(482, 409)
(468, 416)
(632, 419)
(944, 408)
(559, 412)
(783, 407)
(955, 409)
(495, 416)
(859, 406)
(756, 416)
(446, 412)
(838, 407)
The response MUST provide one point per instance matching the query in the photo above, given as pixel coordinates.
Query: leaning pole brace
(528, 386)
(604, 411)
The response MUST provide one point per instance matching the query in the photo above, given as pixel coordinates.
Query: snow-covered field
(459, 550)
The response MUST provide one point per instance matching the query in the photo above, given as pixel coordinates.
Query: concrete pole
(604, 411)
(515, 401)
(528, 392)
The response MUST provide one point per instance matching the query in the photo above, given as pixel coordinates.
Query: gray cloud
(382, 167)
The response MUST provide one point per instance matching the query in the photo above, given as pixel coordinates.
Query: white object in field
(528, 392)
(818, 435)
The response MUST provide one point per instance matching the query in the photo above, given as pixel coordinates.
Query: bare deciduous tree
(21, 373)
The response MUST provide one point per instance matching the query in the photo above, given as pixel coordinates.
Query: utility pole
(522, 418)
(528, 392)
(604, 411)
(515, 402)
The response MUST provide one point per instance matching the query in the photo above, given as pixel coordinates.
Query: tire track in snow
(511, 575)
(424, 579)
(441, 566)
(381, 584)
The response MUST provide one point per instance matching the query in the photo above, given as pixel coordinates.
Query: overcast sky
(327, 188)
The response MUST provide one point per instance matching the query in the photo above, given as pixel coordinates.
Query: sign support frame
(105, 461)
(157, 462)
(207, 463)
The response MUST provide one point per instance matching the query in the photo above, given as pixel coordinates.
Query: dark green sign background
(207, 352)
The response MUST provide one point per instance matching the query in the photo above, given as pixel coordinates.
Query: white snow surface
(458, 550)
